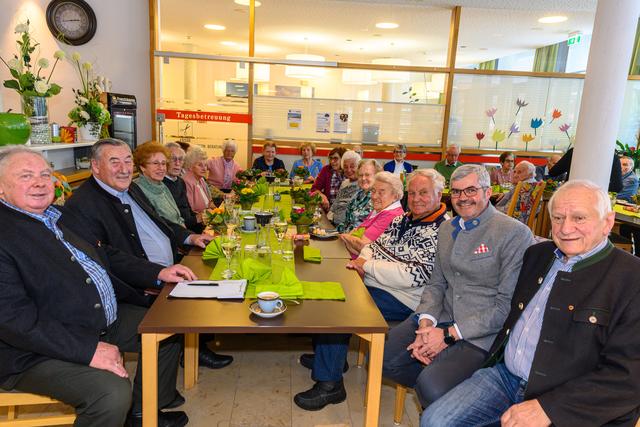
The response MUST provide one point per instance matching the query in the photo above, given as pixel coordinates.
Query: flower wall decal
(527, 138)
(491, 113)
(555, 115)
(513, 129)
(565, 128)
(535, 124)
(479, 137)
(498, 136)
(520, 103)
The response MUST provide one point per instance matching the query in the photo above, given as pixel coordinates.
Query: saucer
(242, 230)
(255, 309)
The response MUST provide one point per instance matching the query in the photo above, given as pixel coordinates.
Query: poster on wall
(294, 119)
(340, 122)
(323, 122)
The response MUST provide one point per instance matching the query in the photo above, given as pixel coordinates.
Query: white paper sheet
(225, 289)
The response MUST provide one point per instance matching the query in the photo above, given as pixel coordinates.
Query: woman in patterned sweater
(399, 263)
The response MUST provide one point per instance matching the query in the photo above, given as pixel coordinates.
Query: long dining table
(357, 314)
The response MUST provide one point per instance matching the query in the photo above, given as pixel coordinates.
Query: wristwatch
(448, 338)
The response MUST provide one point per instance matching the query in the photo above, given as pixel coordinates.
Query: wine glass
(280, 228)
(233, 220)
(229, 247)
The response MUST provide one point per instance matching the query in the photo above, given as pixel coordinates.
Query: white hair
(531, 169)
(456, 146)
(194, 155)
(630, 159)
(603, 203)
(393, 180)
(437, 180)
(230, 143)
(7, 153)
(350, 155)
(484, 180)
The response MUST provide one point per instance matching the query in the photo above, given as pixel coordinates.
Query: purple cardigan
(323, 182)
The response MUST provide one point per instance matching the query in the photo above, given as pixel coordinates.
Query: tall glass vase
(35, 108)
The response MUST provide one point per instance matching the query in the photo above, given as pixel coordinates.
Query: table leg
(374, 380)
(190, 360)
(150, 380)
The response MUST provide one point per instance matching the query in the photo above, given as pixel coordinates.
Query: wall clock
(71, 21)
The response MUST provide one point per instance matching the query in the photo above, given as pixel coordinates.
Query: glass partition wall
(376, 74)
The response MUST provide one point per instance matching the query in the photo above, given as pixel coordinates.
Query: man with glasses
(398, 166)
(467, 298)
(174, 182)
(569, 351)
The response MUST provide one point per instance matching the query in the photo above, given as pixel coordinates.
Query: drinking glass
(233, 220)
(287, 248)
(229, 247)
(280, 228)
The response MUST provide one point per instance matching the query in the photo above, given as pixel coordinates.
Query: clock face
(71, 21)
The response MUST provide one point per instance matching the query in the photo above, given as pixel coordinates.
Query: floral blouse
(357, 210)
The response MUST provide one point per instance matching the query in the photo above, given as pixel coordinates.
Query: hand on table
(176, 273)
(108, 358)
(199, 240)
(358, 265)
(526, 414)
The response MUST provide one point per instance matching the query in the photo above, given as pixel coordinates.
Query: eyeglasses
(334, 158)
(156, 163)
(177, 159)
(469, 191)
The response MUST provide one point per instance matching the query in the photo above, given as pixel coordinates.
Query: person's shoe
(165, 419)
(211, 360)
(176, 402)
(307, 360)
(320, 395)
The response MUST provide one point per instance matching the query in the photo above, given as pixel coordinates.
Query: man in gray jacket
(468, 297)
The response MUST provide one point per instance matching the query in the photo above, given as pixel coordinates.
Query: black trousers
(100, 397)
(452, 366)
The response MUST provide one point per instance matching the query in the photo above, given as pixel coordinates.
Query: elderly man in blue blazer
(467, 298)
(66, 313)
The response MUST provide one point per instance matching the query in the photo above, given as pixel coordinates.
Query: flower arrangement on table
(245, 193)
(302, 196)
(301, 172)
(28, 79)
(248, 174)
(302, 218)
(216, 219)
(281, 174)
(89, 111)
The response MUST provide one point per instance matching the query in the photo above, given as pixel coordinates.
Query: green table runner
(259, 274)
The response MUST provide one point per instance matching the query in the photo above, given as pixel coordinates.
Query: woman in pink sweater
(386, 193)
(223, 169)
(198, 192)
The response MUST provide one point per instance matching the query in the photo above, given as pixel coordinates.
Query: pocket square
(482, 249)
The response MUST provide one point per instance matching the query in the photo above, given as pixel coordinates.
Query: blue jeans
(479, 401)
(331, 350)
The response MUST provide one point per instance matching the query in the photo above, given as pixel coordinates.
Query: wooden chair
(12, 400)
(525, 202)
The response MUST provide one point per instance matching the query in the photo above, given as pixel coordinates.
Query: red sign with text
(205, 116)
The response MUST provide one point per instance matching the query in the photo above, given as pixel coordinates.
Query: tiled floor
(257, 389)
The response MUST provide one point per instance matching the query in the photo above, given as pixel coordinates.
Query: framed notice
(323, 122)
(340, 122)
(294, 119)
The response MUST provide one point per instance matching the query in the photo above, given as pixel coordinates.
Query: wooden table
(358, 315)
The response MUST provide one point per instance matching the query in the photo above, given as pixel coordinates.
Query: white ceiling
(344, 30)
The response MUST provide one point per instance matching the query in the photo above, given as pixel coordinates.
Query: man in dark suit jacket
(569, 351)
(120, 215)
(65, 314)
(178, 189)
(563, 166)
(542, 172)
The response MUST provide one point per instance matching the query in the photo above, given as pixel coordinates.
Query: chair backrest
(525, 202)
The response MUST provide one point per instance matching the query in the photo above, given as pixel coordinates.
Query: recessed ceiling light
(228, 43)
(387, 25)
(246, 2)
(552, 19)
(215, 27)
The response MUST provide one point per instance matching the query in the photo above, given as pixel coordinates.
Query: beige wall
(119, 50)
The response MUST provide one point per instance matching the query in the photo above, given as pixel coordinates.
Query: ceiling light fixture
(215, 27)
(387, 25)
(302, 72)
(552, 19)
(357, 77)
(246, 2)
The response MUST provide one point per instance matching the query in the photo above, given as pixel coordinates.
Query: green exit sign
(574, 40)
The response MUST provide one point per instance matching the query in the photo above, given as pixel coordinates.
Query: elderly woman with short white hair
(223, 169)
(386, 192)
(348, 188)
(198, 193)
